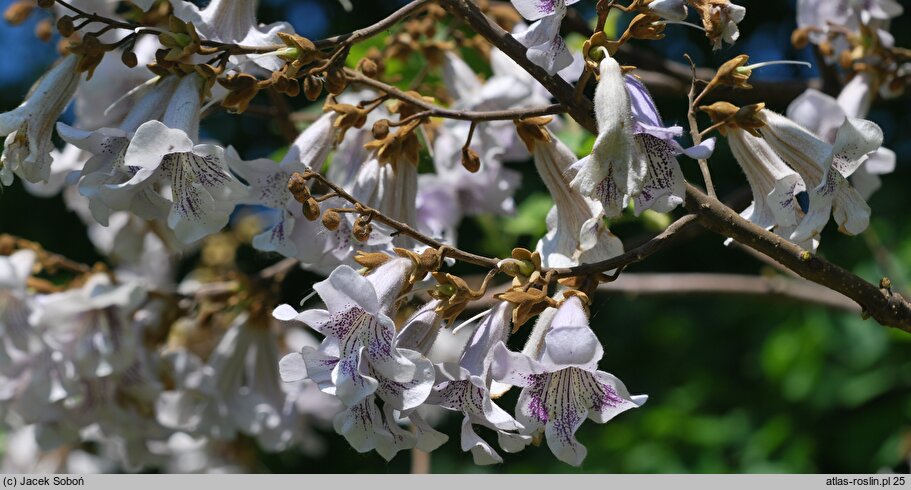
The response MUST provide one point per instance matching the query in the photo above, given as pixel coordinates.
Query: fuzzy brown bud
(368, 67)
(65, 26)
(362, 230)
(381, 129)
(846, 59)
(129, 59)
(331, 220)
(311, 209)
(313, 88)
(45, 4)
(470, 160)
(336, 81)
(800, 38)
(44, 30)
(18, 12)
(297, 184)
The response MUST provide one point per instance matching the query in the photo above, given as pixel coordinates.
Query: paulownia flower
(103, 175)
(91, 327)
(657, 149)
(826, 167)
(239, 391)
(576, 229)
(29, 127)
(465, 387)
(491, 188)
(819, 14)
(776, 187)
(546, 48)
(18, 336)
(291, 234)
(823, 115)
(367, 427)
(720, 19)
(608, 174)
(203, 192)
(233, 21)
(358, 357)
(564, 386)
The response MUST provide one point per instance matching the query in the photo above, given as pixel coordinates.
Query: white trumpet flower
(28, 128)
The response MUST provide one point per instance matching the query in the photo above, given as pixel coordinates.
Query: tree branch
(370, 31)
(432, 110)
(637, 254)
(887, 308)
(466, 10)
(685, 284)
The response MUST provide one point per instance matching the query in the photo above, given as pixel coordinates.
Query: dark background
(735, 385)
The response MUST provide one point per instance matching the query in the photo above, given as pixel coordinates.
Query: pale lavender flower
(777, 188)
(203, 192)
(234, 22)
(105, 174)
(608, 174)
(564, 386)
(465, 387)
(546, 48)
(576, 232)
(825, 167)
(29, 127)
(657, 149)
(91, 327)
(823, 115)
(358, 356)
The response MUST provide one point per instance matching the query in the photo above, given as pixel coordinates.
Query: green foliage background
(735, 385)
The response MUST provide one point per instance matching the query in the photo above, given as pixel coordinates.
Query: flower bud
(313, 87)
(846, 59)
(336, 81)
(18, 12)
(44, 30)
(297, 184)
(331, 220)
(362, 229)
(129, 59)
(470, 160)
(381, 129)
(65, 26)
(800, 38)
(311, 209)
(368, 67)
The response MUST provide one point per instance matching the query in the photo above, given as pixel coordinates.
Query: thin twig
(431, 110)
(694, 129)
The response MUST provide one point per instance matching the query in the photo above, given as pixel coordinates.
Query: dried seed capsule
(297, 184)
(311, 209)
(331, 220)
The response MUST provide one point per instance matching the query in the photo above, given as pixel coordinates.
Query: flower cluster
(169, 355)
